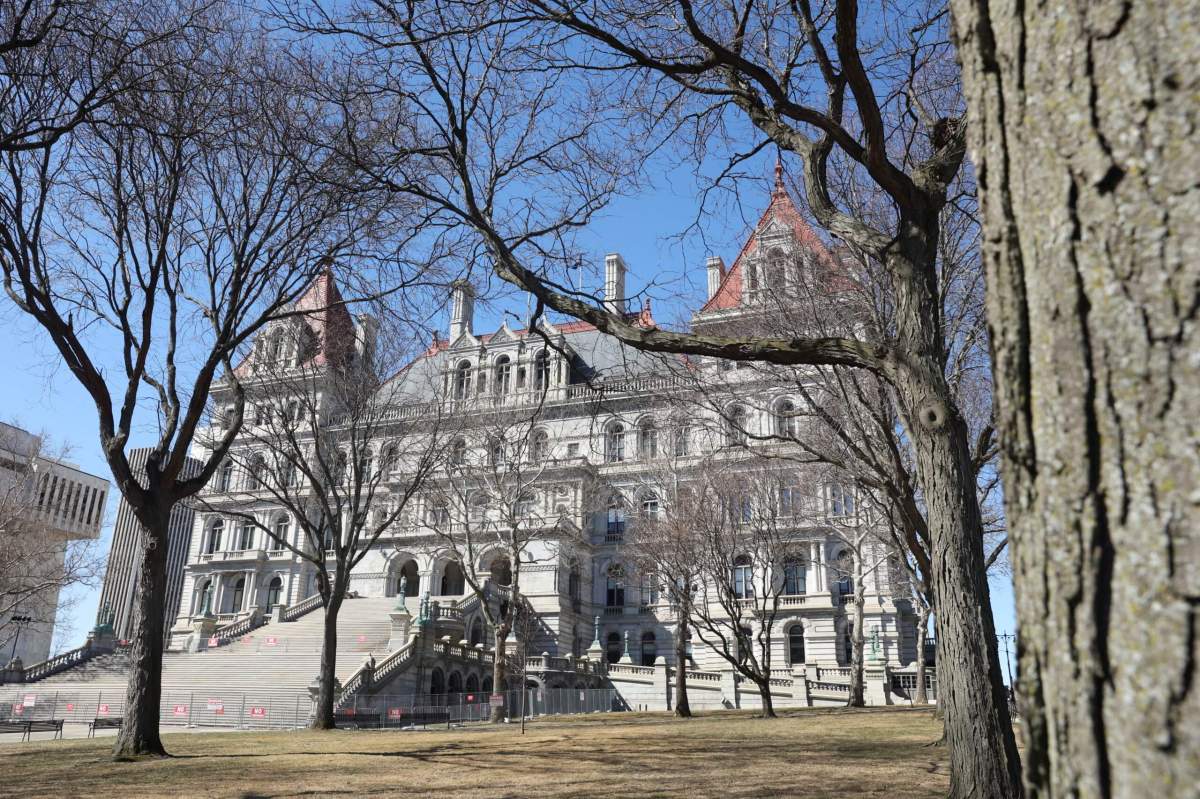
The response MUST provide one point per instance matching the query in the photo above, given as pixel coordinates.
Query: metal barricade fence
(292, 709)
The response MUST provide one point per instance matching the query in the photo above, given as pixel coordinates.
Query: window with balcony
(796, 644)
(541, 371)
(743, 577)
(225, 477)
(246, 536)
(462, 380)
(614, 596)
(785, 419)
(615, 528)
(651, 508)
(274, 592)
(539, 446)
(212, 541)
(841, 501)
(793, 577)
(504, 370)
(282, 530)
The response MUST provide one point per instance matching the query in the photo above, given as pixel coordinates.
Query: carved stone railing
(293, 612)
(383, 671)
(239, 628)
(64, 661)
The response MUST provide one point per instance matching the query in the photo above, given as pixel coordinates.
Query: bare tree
(152, 247)
(528, 156)
(491, 510)
(330, 444)
(37, 562)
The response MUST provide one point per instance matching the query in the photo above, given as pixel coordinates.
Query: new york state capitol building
(600, 456)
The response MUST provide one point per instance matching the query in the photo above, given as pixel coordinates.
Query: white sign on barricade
(30, 700)
(216, 706)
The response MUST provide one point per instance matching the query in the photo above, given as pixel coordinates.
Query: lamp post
(20, 621)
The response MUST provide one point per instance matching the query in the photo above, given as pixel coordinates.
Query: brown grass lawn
(808, 753)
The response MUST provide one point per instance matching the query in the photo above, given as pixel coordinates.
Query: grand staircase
(272, 658)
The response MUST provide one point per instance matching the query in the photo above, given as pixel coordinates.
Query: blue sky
(41, 396)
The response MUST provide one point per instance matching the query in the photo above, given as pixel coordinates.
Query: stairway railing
(239, 628)
(293, 612)
(382, 672)
(62, 662)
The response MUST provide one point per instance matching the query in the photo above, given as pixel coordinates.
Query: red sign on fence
(216, 706)
(362, 639)
(18, 709)
(213, 641)
(181, 710)
(70, 706)
(272, 640)
(258, 712)
(30, 700)
(103, 710)
(470, 697)
(497, 700)
(395, 712)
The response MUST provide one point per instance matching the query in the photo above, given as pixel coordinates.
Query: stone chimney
(716, 271)
(462, 309)
(614, 283)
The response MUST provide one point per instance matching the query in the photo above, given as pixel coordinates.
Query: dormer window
(462, 380)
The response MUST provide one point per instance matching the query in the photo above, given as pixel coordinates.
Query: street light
(20, 621)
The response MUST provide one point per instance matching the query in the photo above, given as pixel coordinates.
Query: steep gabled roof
(781, 209)
(327, 316)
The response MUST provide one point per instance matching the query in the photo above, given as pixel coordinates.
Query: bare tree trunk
(683, 709)
(920, 697)
(499, 671)
(764, 692)
(139, 733)
(1090, 213)
(856, 698)
(323, 717)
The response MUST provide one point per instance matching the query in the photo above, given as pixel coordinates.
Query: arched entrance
(453, 582)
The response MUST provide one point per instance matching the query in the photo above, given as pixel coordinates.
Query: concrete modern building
(45, 503)
(118, 596)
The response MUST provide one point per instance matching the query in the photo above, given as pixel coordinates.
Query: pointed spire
(779, 187)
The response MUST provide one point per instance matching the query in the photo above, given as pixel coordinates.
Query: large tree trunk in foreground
(857, 636)
(139, 735)
(1083, 124)
(499, 674)
(683, 709)
(323, 716)
(764, 693)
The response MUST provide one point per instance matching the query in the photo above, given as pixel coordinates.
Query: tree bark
(499, 671)
(683, 709)
(323, 718)
(920, 697)
(764, 692)
(983, 753)
(139, 733)
(856, 698)
(1083, 121)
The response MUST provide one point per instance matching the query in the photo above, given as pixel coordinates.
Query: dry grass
(812, 753)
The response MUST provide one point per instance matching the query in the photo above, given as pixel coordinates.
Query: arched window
(776, 279)
(649, 590)
(647, 440)
(503, 374)
(437, 681)
(539, 446)
(477, 512)
(785, 419)
(458, 452)
(257, 475)
(501, 570)
(843, 569)
(204, 598)
(462, 380)
(649, 648)
(487, 684)
(541, 371)
(274, 592)
(246, 536)
(239, 593)
(735, 427)
(225, 478)
(455, 684)
(613, 649)
(366, 469)
(616, 520)
(452, 580)
(213, 542)
(339, 467)
(438, 513)
(841, 500)
(651, 507)
(743, 577)
(796, 644)
(614, 443)
(498, 452)
(476, 632)
(793, 577)
(391, 458)
(679, 441)
(614, 596)
(472, 684)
